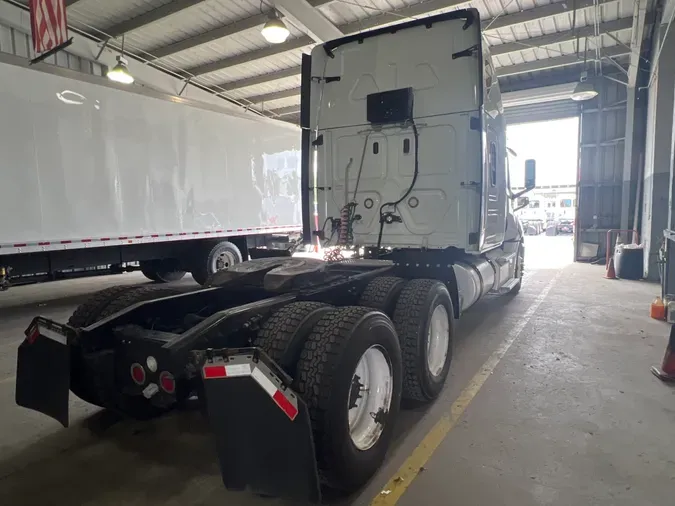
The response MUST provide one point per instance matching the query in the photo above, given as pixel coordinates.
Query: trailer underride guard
(404, 165)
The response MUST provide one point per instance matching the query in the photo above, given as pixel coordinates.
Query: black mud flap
(262, 428)
(43, 369)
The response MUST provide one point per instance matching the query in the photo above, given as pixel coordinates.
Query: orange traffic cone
(667, 370)
(611, 273)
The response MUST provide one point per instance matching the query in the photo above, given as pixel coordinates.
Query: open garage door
(548, 111)
(601, 152)
(540, 104)
(599, 190)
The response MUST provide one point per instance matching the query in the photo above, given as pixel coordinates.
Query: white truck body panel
(87, 165)
(453, 203)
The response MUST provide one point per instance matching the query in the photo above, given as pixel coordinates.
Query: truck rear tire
(214, 258)
(382, 294)
(161, 271)
(349, 374)
(425, 322)
(101, 305)
(89, 311)
(283, 335)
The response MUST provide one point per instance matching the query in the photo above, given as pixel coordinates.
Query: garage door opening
(549, 219)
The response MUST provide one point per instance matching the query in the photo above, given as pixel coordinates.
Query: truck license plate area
(43, 370)
(263, 431)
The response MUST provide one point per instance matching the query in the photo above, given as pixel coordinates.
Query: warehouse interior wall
(658, 150)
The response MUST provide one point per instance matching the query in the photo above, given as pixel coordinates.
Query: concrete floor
(570, 415)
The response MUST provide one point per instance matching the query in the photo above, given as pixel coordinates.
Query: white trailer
(94, 175)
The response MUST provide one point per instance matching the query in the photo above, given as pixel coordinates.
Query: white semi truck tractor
(300, 364)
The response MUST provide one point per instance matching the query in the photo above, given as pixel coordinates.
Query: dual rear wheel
(353, 365)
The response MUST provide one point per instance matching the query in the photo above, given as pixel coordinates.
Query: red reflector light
(285, 405)
(214, 371)
(32, 334)
(167, 382)
(138, 374)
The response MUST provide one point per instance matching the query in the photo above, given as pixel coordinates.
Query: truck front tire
(349, 374)
(213, 258)
(425, 322)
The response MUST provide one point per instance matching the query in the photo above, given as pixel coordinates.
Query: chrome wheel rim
(224, 260)
(370, 397)
(438, 340)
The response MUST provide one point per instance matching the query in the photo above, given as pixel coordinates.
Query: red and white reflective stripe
(218, 371)
(58, 244)
(276, 394)
(215, 371)
(37, 330)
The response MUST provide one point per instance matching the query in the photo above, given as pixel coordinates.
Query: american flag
(48, 24)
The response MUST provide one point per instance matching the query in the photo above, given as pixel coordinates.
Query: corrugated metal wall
(19, 44)
(602, 135)
(547, 111)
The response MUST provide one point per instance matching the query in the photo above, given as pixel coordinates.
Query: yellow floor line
(399, 483)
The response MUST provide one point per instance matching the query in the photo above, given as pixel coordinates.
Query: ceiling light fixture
(584, 89)
(120, 72)
(275, 31)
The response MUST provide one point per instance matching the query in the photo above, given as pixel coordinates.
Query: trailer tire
(160, 271)
(284, 333)
(213, 258)
(382, 294)
(417, 318)
(327, 368)
(101, 305)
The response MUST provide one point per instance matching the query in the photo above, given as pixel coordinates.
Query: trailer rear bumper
(262, 427)
(43, 369)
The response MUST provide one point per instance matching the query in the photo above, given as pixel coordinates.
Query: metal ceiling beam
(555, 38)
(221, 32)
(261, 79)
(150, 17)
(309, 19)
(258, 54)
(536, 13)
(284, 111)
(423, 8)
(559, 61)
(276, 95)
(639, 24)
(356, 26)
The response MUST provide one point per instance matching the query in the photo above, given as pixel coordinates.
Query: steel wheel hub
(438, 340)
(224, 260)
(370, 397)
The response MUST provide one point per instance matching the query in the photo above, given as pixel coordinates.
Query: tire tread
(408, 317)
(276, 333)
(378, 293)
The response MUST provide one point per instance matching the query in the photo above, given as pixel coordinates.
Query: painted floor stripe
(399, 483)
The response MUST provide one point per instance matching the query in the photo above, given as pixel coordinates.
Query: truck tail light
(138, 374)
(167, 382)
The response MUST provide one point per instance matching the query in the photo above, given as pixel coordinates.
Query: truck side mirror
(522, 202)
(530, 174)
